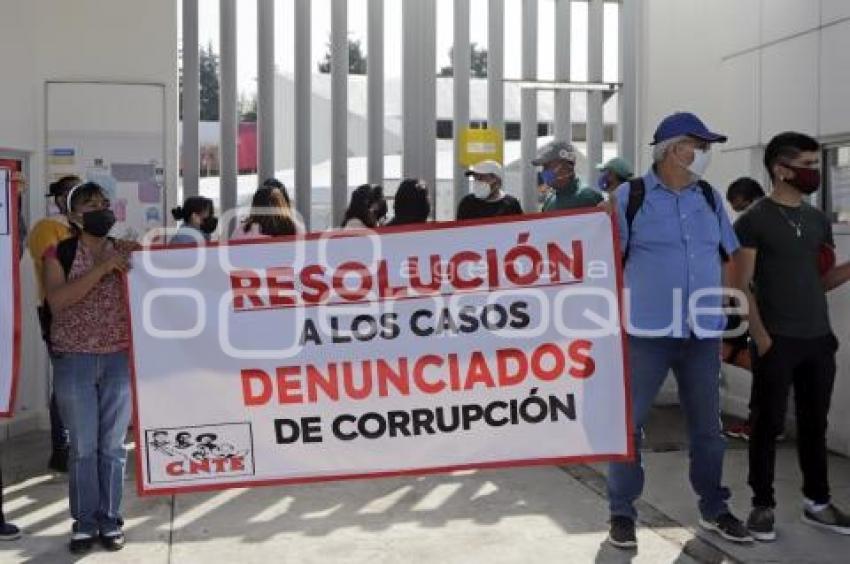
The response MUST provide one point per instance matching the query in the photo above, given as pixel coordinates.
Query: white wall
(44, 40)
(751, 69)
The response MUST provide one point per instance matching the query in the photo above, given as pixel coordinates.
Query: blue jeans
(93, 393)
(696, 364)
(58, 432)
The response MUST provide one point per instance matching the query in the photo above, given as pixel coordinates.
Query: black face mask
(209, 225)
(98, 223)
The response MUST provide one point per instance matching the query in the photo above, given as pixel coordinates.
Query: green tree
(478, 62)
(210, 87)
(357, 62)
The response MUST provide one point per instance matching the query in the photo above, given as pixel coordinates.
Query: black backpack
(66, 252)
(637, 194)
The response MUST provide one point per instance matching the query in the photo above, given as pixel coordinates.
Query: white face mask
(481, 190)
(701, 161)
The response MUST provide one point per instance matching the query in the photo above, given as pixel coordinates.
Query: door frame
(25, 159)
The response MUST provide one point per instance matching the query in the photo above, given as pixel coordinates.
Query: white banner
(422, 349)
(10, 296)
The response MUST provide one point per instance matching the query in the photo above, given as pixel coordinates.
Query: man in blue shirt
(675, 235)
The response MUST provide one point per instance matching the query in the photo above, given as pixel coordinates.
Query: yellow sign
(476, 145)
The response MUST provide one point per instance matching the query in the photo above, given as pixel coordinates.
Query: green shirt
(572, 197)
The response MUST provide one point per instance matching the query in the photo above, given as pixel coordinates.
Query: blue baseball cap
(685, 123)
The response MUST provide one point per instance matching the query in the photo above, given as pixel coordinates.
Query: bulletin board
(113, 134)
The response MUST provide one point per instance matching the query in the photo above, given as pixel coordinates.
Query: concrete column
(461, 64)
(411, 69)
(496, 66)
(265, 89)
(375, 68)
(228, 111)
(627, 98)
(303, 93)
(595, 116)
(563, 119)
(429, 97)
(528, 108)
(339, 110)
(419, 92)
(191, 99)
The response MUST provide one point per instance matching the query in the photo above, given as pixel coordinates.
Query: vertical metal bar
(339, 110)
(595, 68)
(411, 63)
(228, 112)
(375, 87)
(265, 88)
(627, 98)
(191, 99)
(563, 22)
(461, 72)
(429, 98)
(303, 92)
(496, 67)
(419, 92)
(528, 107)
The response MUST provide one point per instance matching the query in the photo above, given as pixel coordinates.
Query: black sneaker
(113, 541)
(58, 460)
(622, 532)
(9, 532)
(81, 543)
(760, 524)
(830, 518)
(727, 526)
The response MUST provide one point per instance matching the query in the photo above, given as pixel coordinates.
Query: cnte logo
(212, 466)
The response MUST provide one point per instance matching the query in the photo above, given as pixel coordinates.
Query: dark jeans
(808, 365)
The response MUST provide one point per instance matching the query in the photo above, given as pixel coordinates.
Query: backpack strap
(708, 193)
(637, 193)
(66, 252)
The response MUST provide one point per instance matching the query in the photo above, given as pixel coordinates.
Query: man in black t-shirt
(487, 199)
(781, 271)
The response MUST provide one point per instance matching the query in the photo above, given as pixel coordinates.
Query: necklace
(797, 226)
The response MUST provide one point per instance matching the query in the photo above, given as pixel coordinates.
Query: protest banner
(360, 354)
(10, 296)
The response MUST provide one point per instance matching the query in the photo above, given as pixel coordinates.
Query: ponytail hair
(192, 205)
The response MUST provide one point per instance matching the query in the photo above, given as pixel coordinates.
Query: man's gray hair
(660, 151)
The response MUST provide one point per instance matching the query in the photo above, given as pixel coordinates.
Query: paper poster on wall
(10, 313)
(91, 134)
(131, 178)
